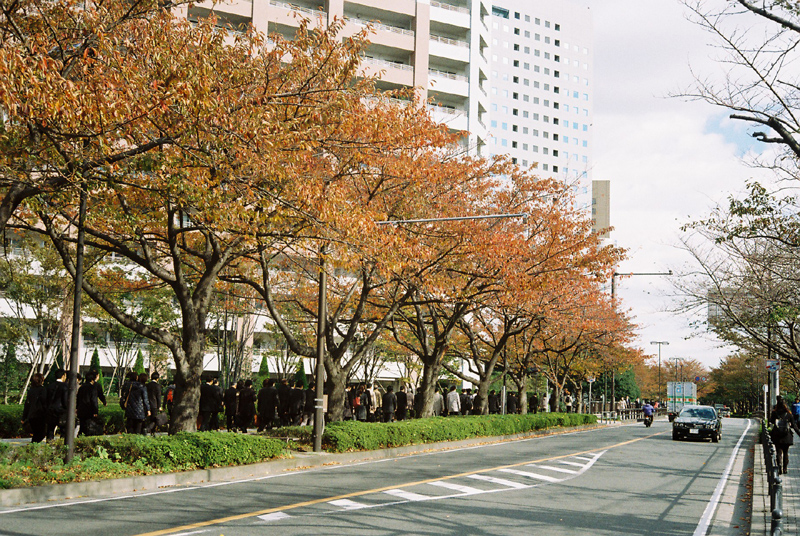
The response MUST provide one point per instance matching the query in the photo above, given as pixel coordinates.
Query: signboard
(590, 379)
(773, 365)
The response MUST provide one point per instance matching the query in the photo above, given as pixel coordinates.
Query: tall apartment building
(439, 47)
(542, 88)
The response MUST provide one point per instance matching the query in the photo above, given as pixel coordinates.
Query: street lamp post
(677, 360)
(660, 344)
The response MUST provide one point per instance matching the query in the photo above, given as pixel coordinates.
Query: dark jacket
(779, 439)
(389, 402)
(87, 401)
(57, 398)
(154, 395)
(297, 399)
(247, 401)
(209, 398)
(231, 399)
(35, 404)
(402, 402)
(284, 398)
(138, 404)
(267, 401)
(311, 395)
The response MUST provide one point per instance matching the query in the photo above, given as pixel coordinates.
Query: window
(537, 53)
(513, 160)
(505, 110)
(500, 12)
(546, 135)
(566, 139)
(526, 82)
(516, 31)
(575, 95)
(557, 42)
(555, 152)
(527, 50)
(535, 148)
(546, 70)
(537, 37)
(505, 93)
(514, 128)
(535, 117)
(556, 58)
(537, 21)
(504, 126)
(547, 24)
(556, 74)
(586, 96)
(527, 66)
(524, 162)
(516, 63)
(505, 76)
(536, 84)
(516, 15)
(524, 130)
(515, 111)
(547, 87)
(494, 91)
(546, 40)
(516, 47)
(493, 122)
(494, 107)
(545, 165)
(585, 143)
(555, 105)
(527, 34)
(536, 100)
(524, 146)
(535, 133)
(536, 68)
(556, 89)
(527, 18)
(555, 137)
(515, 79)
(547, 103)
(547, 55)
(525, 113)
(555, 120)
(504, 143)
(546, 118)
(545, 150)
(513, 145)
(555, 169)
(585, 128)
(558, 27)
(515, 96)
(526, 98)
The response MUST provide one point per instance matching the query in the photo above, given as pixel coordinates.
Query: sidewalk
(762, 516)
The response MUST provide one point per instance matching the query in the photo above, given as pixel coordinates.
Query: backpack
(796, 410)
(171, 394)
(356, 401)
(782, 427)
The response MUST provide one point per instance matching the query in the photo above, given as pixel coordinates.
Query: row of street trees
(747, 251)
(226, 164)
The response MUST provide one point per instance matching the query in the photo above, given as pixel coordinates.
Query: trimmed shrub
(347, 436)
(11, 421)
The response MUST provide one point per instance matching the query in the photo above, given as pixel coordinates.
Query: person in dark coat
(511, 404)
(57, 402)
(389, 404)
(247, 406)
(87, 405)
(309, 409)
(154, 397)
(137, 407)
(402, 403)
(782, 436)
(231, 400)
(218, 394)
(267, 405)
(297, 401)
(209, 402)
(284, 401)
(34, 413)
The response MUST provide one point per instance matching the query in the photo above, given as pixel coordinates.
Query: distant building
(542, 89)
(601, 207)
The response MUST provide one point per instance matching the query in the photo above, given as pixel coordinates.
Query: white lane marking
(557, 469)
(708, 514)
(347, 504)
(188, 533)
(501, 481)
(584, 458)
(407, 495)
(537, 476)
(466, 490)
(274, 516)
(576, 464)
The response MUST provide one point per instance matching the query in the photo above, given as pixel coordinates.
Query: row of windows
(504, 13)
(526, 98)
(536, 68)
(526, 82)
(538, 37)
(547, 151)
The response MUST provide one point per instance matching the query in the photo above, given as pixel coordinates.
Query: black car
(697, 421)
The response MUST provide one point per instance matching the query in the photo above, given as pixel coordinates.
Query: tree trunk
(336, 386)
(427, 386)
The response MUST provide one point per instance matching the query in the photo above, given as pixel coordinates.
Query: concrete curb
(39, 494)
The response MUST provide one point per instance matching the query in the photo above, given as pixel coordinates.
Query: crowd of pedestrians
(148, 404)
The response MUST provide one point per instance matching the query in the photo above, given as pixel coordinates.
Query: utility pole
(660, 344)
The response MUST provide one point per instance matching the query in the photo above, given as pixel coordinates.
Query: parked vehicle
(701, 422)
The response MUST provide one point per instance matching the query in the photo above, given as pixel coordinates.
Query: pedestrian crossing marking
(556, 469)
(456, 487)
(532, 475)
(347, 504)
(407, 495)
(584, 458)
(573, 463)
(274, 516)
(501, 481)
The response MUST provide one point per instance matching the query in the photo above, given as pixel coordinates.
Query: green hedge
(11, 420)
(348, 436)
(104, 457)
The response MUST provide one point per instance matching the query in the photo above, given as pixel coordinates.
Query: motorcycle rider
(648, 413)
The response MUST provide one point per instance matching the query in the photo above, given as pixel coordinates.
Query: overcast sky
(669, 161)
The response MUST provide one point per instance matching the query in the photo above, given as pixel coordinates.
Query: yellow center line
(313, 502)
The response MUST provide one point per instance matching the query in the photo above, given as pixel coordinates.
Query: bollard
(776, 527)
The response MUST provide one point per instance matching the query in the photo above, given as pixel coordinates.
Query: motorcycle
(648, 420)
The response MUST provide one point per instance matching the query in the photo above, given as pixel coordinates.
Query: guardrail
(775, 483)
(632, 414)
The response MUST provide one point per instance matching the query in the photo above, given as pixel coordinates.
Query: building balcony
(389, 71)
(385, 34)
(287, 13)
(452, 49)
(454, 118)
(450, 83)
(450, 14)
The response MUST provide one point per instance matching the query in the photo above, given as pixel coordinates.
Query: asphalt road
(608, 481)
